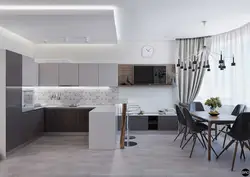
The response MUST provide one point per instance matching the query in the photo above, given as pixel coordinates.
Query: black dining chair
(197, 106)
(240, 133)
(182, 122)
(238, 109)
(195, 129)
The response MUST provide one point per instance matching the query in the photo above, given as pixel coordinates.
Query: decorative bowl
(214, 114)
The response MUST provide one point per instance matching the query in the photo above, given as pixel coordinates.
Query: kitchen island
(103, 128)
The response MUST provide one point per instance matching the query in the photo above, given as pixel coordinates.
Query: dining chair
(239, 108)
(197, 106)
(195, 129)
(182, 122)
(240, 132)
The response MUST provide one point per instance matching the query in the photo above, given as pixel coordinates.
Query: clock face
(147, 51)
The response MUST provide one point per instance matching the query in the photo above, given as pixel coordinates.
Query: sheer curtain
(189, 82)
(232, 85)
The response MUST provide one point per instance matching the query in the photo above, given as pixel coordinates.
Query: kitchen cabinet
(108, 74)
(68, 74)
(30, 72)
(67, 119)
(144, 122)
(167, 123)
(48, 74)
(138, 122)
(13, 69)
(88, 74)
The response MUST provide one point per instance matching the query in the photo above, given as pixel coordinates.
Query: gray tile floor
(155, 156)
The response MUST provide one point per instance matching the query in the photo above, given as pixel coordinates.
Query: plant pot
(213, 112)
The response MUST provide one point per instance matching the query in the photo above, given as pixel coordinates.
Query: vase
(212, 109)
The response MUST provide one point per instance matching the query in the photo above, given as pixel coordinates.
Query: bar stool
(131, 109)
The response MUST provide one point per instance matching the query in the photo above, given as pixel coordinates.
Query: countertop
(153, 114)
(104, 109)
(27, 109)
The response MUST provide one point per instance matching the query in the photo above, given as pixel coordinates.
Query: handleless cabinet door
(30, 72)
(13, 69)
(68, 74)
(167, 123)
(48, 74)
(88, 74)
(108, 75)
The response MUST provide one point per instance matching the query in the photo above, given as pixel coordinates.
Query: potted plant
(214, 104)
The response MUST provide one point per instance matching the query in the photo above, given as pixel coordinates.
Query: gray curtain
(189, 82)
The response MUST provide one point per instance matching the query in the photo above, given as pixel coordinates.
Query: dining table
(219, 119)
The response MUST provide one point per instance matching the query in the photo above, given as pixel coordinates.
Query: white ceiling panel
(93, 29)
(143, 20)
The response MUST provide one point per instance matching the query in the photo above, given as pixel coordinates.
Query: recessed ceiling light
(53, 7)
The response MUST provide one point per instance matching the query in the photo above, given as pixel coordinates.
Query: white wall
(2, 104)
(123, 53)
(13, 42)
(150, 98)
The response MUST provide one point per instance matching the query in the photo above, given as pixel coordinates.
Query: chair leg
(184, 136)
(225, 138)
(216, 131)
(179, 133)
(203, 140)
(242, 153)
(211, 146)
(248, 147)
(187, 142)
(229, 144)
(194, 142)
(234, 156)
(220, 132)
(200, 141)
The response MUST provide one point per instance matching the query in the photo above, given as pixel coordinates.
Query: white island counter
(103, 128)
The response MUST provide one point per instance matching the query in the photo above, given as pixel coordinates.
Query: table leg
(122, 136)
(209, 141)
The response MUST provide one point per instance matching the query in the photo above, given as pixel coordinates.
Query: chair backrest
(180, 115)
(190, 121)
(182, 105)
(197, 106)
(241, 127)
(239, 108)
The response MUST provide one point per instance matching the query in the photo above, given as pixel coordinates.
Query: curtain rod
(193, 37)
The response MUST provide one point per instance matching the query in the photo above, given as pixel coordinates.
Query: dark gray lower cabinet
(167, 123)
(145, 123)
(67, 119)
(34, 126)
(138, 123)
(23, 127)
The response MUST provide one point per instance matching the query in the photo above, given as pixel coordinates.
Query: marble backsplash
(66, 96)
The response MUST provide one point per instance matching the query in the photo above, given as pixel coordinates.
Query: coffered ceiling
(141, 20)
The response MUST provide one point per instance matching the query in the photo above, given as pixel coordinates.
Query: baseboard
(66, 133)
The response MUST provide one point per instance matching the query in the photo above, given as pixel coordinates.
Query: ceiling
(69, 29)
(140, 20)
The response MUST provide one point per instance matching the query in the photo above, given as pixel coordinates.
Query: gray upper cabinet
(108, 74)
(30, 72)
(68, 74)
(48, 74)
(88, 74)
(14, 69)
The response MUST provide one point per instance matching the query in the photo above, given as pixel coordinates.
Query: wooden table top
(204, 115)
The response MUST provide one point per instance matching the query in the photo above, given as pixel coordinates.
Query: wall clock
(147, 51)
